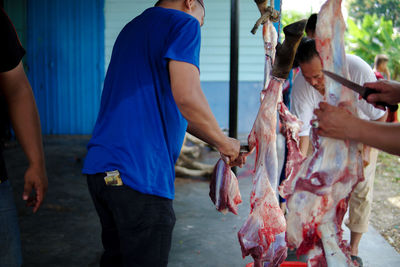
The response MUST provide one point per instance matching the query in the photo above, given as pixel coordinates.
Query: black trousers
(136, 228)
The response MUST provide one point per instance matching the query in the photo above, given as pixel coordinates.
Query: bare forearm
(190, 99)
(26, 124)
(384, 136)
(23, 113)
(25, 119)
(201, 121)
(338, 122)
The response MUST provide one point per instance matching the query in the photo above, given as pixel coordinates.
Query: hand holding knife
(363, 91)
(244, 148)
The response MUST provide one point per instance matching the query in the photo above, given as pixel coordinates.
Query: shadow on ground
(66, 232)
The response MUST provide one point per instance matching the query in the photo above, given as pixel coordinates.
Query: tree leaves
(388, 9)
(371, 36)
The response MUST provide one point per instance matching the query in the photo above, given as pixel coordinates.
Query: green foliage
(387, 9)
(374, 36)
(290, 17)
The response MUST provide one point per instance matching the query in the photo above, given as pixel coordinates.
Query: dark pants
(10, 241)
(136, 228)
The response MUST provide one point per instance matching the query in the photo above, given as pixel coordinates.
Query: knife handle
(369, 91)
(244, 148)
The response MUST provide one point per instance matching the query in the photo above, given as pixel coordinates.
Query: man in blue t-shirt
(151, 96)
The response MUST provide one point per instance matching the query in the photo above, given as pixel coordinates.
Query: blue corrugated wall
(65, 62)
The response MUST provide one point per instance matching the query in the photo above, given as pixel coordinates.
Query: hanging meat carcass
(224, 190)
(318, 194)
(263, 234)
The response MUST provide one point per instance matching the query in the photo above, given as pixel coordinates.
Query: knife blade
(363, 91)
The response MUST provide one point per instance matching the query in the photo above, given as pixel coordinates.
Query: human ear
(189, 4)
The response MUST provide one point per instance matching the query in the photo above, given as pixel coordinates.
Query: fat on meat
(266, 223)
(224, 188)
(291, 127)
(270, 38)
(263, 234)
(317, 196)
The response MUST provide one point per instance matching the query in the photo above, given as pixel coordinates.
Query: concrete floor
(66, 232)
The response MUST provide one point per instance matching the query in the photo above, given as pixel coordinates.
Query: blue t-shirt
(139, 129)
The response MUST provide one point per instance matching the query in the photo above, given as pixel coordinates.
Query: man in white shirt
(308, 92)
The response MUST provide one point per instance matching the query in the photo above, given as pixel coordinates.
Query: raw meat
(224, 188)
(263, 234)
(266, 220)
(318, 195)
(270, 39)
(291, 127)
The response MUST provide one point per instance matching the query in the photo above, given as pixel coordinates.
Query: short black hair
(159, 2)
(306, 50)
(311, 23)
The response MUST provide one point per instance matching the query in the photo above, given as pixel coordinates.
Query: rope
(270, 14)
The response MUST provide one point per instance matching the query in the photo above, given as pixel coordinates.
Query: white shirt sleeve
(360, 73)
(368, 112)
(302, 103)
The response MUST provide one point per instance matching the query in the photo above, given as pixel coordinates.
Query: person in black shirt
(23, 114)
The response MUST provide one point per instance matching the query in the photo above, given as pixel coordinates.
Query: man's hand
(15, 87)
(240, 160)
(229, 150)
(335, 122)
(388, 92)
(35, 179)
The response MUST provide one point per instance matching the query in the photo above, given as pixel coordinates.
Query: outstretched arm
(25, 119)
(388, 92)
(337, 122)
(190, 99)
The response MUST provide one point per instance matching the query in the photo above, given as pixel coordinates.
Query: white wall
(215, 51)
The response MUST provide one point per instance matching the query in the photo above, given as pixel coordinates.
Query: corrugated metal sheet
(214, 57)
(65, 61)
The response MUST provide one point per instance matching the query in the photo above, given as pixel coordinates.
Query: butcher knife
(363, 91)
